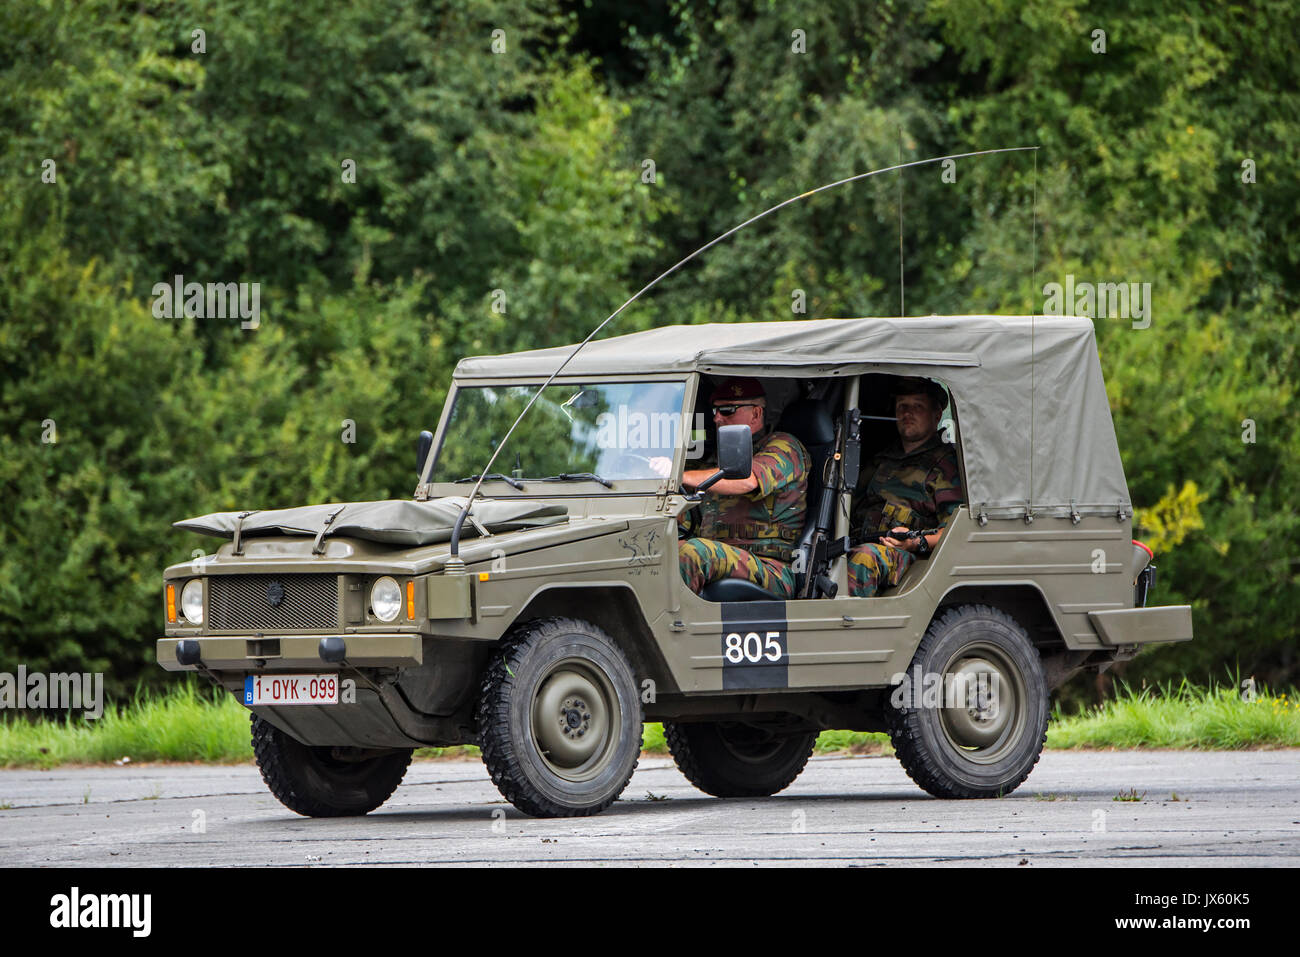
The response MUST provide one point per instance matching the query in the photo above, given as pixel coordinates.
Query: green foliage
(1185, 716)
(179, 725)
(652, 739)
(459, 751)
(828, 742)
(522, 171)
(858, 742)
(94, 392)
(1173, 518)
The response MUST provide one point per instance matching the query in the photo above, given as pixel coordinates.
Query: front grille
(271, 602)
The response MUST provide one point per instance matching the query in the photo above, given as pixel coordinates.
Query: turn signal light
(171, 604)
(410, 600)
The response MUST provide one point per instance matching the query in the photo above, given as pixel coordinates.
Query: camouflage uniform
(752, 536)
(918, 490)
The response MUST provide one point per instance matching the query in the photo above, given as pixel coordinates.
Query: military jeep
(550, 620)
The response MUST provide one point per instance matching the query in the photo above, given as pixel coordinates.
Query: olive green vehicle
(557, 622)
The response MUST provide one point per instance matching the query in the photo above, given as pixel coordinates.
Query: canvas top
(1035, 422)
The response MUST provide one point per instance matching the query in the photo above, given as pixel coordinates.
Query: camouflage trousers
(704, 560)
(873, 567)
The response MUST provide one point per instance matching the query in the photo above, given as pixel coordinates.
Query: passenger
(747, 528)
(914, 485)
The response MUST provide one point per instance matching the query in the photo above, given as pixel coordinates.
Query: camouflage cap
(737, 389)
(916, 385)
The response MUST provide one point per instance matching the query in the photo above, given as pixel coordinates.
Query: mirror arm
(711, 481)
(708, 483)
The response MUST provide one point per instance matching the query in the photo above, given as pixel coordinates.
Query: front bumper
(288, 652)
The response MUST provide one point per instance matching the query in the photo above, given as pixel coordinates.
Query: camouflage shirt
(767, 521)
(919, 490)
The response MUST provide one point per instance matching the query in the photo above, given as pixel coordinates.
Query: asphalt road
(1239, 808)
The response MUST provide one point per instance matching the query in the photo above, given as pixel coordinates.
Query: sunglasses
(729, 410)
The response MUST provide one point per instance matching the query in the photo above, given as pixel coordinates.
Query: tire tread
(696, 770)
(269, 749)
(492, 714)
(906, 735)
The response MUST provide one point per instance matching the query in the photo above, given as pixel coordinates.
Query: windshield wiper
(578, 477)
(512, 482)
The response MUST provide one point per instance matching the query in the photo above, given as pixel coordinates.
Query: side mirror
(735, 457)
(735, 451)
(422, 452)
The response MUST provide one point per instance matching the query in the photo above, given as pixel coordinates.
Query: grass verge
(179, 725)
(184, 724)
(1215, 718)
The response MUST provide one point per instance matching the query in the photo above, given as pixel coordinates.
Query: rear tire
(980, 751)
(728, 759)
(325, 782)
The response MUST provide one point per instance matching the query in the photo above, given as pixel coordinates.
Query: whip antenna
(422, 488)
(902, 306)
(1033, 313)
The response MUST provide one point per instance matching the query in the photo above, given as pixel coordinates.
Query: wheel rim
(747, 744)
(989, 693)
(575, 720)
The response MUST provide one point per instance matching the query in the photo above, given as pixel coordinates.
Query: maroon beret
(737, 389)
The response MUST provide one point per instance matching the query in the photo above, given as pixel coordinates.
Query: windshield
(609, 429)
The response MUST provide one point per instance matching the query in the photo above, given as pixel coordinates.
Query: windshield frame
(534, 487)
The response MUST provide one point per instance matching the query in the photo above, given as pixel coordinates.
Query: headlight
(192, 601)
(386, 599)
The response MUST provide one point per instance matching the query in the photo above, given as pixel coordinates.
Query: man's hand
(912, 544)
(906, 544)
(661, 466)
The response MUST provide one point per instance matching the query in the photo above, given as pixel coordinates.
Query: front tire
(325, 782)
(559, 719)
(981, 746)
(728, 759)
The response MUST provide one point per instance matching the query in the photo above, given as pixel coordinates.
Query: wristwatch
(922, 547)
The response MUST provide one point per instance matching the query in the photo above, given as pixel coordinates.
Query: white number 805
(752, 648)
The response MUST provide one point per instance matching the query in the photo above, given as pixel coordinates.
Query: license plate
(291, 689)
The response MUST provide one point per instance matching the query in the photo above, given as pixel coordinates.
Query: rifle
(816, 581)
(827, 550)
(873, 538)
(841, 475)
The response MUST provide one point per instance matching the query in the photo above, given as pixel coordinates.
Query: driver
(747, 527)
(915, 486)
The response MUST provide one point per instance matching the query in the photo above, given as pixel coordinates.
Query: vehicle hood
(394, 521)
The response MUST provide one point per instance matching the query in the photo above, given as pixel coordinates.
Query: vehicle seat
(735, 589)
(812, 424)
(809, 421)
